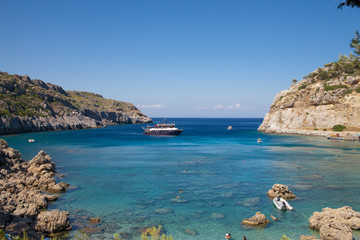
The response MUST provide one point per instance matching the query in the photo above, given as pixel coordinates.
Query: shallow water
(131, 181)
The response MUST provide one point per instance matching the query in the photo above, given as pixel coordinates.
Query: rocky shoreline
(23, 201)
(347, 136)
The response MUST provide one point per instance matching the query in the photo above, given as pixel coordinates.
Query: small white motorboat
(282, 204)
(31, 140)
(229, 128)
(259, 140)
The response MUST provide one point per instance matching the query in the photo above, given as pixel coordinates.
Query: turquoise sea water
(130, 181)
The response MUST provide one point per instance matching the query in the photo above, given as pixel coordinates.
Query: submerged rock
(94, 220)
(280, 190)
(249, 202)
(217, 215)
(303, 237)
(335, 223)
(179, 200)
(258, 219)
(190, 232)
(163, 210)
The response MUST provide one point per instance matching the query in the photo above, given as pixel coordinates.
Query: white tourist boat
(162, 129)
(282, 204)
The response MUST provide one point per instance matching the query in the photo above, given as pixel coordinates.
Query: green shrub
(358, 90)
(329, 88)
(5, 112)
(323, 75)
(338, 128)
(348, 91)
(315, 129)
(324, 129)
(302, 87)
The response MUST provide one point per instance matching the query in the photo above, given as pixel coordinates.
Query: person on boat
(228, 236)
(278, 199)
(178, 197)
(283, 205)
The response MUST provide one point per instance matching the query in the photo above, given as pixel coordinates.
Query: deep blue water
(124, 177)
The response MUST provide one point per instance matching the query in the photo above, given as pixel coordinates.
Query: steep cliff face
(326, 97)
(28, 105)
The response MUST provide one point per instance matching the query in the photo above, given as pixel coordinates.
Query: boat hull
(280, 204)
(164, 133)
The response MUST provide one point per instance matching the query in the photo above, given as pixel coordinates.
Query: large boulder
(280, 190)
(52, 221)
(335, 223)
(258, 219)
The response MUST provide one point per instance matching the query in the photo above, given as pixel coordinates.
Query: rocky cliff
(28, 105)
(313, 106)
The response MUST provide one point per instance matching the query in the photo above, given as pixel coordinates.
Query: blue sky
(175, 58)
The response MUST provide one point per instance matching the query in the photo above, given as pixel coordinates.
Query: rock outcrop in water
(280, 190)
(313, 106)
(257, 219)
(335, 224)
(22, 202)
(28, 105)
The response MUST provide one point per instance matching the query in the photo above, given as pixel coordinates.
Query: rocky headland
(327, 97)
(30, 105)
(26, 187)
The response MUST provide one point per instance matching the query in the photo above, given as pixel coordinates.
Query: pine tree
(355, 43)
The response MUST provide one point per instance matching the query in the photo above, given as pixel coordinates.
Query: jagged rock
(258, 219)
(352, 80)
(94, 220)
(335, 223)
(335, 231)
(280, 190)
(51, 197)
(52, 221)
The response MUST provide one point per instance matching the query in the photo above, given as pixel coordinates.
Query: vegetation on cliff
(21, 96)
(33, 105)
